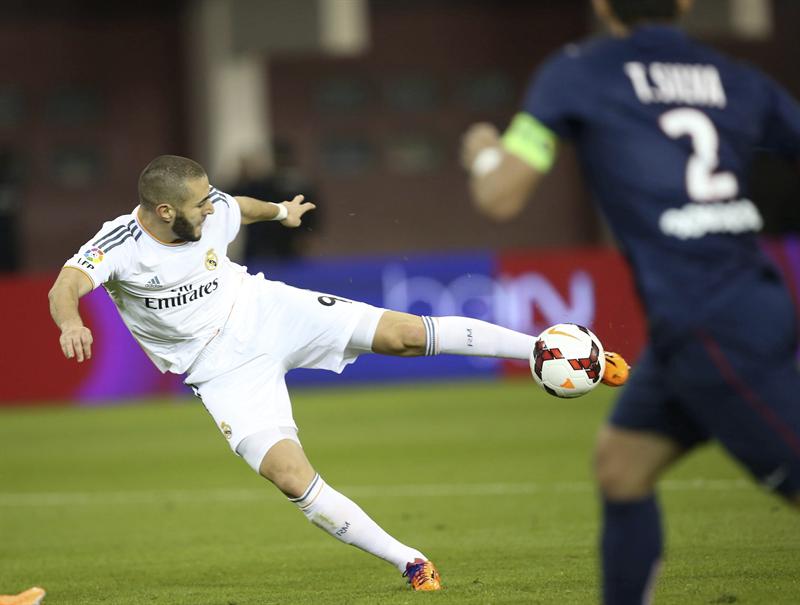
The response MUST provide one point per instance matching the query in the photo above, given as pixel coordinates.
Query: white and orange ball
(567, 360)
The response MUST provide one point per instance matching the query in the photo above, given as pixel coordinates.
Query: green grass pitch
(146, 504)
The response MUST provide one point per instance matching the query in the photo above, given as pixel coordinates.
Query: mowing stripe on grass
(11, 499)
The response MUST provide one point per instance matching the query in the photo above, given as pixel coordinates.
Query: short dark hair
(631, 12)
(163, 181)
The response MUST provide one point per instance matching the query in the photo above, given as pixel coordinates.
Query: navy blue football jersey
(665, 129)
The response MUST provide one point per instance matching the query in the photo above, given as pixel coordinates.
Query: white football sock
(344, 520)
(466, 336)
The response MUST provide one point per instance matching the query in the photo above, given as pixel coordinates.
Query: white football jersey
(173, 298)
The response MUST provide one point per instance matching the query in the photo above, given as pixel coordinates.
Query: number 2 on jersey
(702, 183)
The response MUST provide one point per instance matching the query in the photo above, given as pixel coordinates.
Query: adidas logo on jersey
(154, 283)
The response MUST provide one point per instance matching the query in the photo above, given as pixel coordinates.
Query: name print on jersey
(184, 295)
(677, 83)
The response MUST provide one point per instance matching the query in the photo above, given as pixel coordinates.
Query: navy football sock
(631, 549)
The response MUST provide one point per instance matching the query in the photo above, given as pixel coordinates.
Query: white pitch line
(25, 499)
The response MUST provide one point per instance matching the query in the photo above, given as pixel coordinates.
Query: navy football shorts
(735, 380)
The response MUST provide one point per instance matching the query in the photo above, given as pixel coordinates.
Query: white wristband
(487, 160)
(283, 212)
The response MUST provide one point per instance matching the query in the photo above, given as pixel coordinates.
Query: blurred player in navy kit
(665, 130)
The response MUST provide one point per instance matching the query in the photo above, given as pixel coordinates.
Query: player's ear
(165, 212)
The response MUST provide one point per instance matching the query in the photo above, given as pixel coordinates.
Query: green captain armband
(531, 141)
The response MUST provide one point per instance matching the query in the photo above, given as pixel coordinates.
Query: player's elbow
(53, 293)
(53, 298)
(61, 291)
(501, 194)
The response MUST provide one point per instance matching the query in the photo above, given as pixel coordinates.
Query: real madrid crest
(211, 259)
(226, 429)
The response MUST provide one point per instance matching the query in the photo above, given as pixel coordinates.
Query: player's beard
(183, 228)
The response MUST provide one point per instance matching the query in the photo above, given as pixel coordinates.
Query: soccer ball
(567, 360)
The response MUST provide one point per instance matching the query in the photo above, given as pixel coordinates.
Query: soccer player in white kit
(235, 335)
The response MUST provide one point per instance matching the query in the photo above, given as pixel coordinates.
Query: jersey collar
(656, 34)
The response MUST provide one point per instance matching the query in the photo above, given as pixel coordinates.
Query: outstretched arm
(76, 339)
(254, 211)
(499, 182)
(505, 170)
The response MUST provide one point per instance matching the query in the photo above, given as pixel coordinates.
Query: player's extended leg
(410, 335)
(251, 406)
(287, 466)
(627, 467)
(647, 432)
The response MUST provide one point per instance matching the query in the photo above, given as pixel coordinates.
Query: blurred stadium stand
(372, 94)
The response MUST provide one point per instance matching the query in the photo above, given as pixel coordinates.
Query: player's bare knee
(287, 467)
(291, 478)
(617, 478)
(628, 463)
(400, 334)
(405, 338)
(413, 337)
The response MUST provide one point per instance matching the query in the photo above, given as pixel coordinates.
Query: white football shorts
(272, 329)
